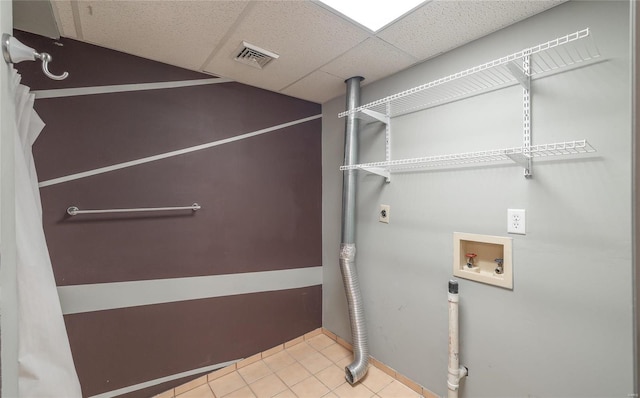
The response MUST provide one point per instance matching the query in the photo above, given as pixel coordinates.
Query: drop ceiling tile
(305, 35)
(181, 33)
(318, 87)
(372, 59)
(442, 25)
(64, 18)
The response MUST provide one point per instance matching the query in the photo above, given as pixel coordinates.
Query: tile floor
(312, 367)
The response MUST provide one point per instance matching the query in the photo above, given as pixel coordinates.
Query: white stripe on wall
(165, 155)
(121, 88)
(106, 296)
(161, 380)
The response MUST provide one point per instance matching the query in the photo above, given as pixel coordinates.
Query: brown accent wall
(260, 198)
(118, 348)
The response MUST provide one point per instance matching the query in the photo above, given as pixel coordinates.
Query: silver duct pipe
(358, 368)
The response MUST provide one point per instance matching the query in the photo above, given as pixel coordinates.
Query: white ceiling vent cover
(255, 56)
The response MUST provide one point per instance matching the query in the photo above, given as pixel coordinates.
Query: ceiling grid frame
(319, 47)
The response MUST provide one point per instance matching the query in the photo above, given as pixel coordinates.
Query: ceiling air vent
(254, 56)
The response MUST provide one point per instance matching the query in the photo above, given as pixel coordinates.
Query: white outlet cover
(516, 221)
(384, 213)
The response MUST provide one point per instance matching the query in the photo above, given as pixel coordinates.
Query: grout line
(225, 38)
(293, 342)
(332, 335)
(77, 21)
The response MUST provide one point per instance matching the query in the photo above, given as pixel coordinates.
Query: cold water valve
(499, 269)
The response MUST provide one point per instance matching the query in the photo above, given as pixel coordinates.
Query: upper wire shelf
(545, 58)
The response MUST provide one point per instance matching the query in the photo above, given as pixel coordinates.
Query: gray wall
(566, 329)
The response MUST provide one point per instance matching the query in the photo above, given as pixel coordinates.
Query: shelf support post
(526, 116)
(387, 133)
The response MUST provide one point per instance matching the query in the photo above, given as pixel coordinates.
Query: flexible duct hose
(358, 368)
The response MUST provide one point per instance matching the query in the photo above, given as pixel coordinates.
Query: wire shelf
(519, 155)
(545, 58)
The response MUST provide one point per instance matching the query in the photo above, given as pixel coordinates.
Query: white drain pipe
(456, 372)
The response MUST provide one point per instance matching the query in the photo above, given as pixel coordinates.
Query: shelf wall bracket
(523, 78)
(378, 171)
(386, 119)
(521, 159)
(381, 117)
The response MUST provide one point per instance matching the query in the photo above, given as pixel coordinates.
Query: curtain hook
(14, 52)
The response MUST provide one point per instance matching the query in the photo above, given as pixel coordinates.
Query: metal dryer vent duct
(358, 368)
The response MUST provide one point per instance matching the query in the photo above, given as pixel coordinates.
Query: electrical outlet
(516, 221)
(384, 213)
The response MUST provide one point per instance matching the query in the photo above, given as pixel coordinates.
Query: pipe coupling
(348, 251)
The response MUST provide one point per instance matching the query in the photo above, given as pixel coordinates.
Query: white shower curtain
(45, 363)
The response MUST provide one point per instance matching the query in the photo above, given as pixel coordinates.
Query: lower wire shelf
(520, 155)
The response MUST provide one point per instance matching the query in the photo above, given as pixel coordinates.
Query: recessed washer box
(477, 257)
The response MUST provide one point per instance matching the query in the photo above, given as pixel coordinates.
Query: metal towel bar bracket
(74, 210)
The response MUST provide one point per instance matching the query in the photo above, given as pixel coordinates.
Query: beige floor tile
(293, 374)
(301, 350)
(286, 394)
(221, 372)
(199, 392)
(330, 395)
(386, 369)
(409, 383)
(249, 361)
(376, 380)
(345, 361)
(330, 334)
(255, 371)
(345, 343)
(398, 390)
(320, 342)
(272, 351)
(191, 385)
(346, 390)
(227, 384)
(293, 342)
(335, 352)
(268, 386)
(310, 388)
(312, 333)
(279, 361)
(244, 392)
(315, 362)
(428, 394)
(332, 376)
